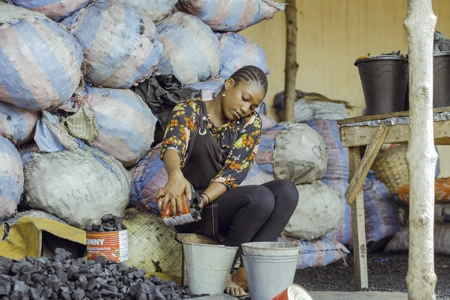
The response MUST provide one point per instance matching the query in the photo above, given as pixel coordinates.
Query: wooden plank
(367, 161)
(384, 116)
(398, 134)
(358, 227)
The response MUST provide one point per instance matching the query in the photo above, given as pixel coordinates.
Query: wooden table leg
(358, 226)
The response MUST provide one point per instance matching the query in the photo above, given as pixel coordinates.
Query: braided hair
(251, 74)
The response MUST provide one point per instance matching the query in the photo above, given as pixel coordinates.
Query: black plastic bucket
(441, 79)
(384, 81)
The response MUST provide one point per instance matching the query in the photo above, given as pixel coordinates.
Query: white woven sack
(300, 154)
(318, 212)
(79, 186)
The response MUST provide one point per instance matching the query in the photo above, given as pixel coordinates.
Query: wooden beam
(291, 66)
(367, 161)
(358, 227)
(398, 134)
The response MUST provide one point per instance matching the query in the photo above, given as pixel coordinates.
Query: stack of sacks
(49, 116)
(381, 217)
(298, 153)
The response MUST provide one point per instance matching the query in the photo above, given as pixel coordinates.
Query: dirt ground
(387, 273)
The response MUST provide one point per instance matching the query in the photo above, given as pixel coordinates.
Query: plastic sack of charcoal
(300, 154)
(191, 50)
(441, 234)
(318, 253)
(155, 9)
(54, 9)
(10, 11)
(256, 176)
(264, 156)
(40, 63)
(208, 88)
(17, 124)
(230, 15)
(318, 212)
(336, 175)
(79, 185)
(148, 177)
(121, 47)
(381, 217)
(125, 124)
(237, 52)
(11, 178)
(152, 245)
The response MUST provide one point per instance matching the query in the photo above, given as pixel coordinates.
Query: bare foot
(232, 288)
(240, 278)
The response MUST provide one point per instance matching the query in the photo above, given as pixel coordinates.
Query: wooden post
(291, 67)
(421, 156)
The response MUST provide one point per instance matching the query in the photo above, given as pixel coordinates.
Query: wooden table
(373, 131)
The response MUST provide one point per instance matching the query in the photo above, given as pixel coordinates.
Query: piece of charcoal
(62, 276)
(34, 294)
(107, 218)
(66, 295)
(100, 260)
(5, 285)
(21, 266)
(5, 265)
(36, 277)
(78, 294)
(21, 287)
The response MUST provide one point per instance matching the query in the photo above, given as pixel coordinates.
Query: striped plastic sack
(264, 157)
(126, 125)
(230, 15)
(11, 178)
(54, 9)
(151, 245)
(148, 177)
(256, 176)
(11, 11)
(121, 47)
(381, 217)
(40, 63)
(441, 234)
(237, 52)
(336, 175)
(17, 124)
(191, 50)
(317, 253)
(207, 87)
(155, 9)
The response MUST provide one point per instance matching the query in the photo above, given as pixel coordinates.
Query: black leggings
(256, 213)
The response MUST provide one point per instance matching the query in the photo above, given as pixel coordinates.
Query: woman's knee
(261, 199)
(285, 190)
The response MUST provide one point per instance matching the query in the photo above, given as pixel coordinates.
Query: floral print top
(241, 153)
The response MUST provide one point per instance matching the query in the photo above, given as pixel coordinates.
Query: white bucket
(271, 269)
(208, 267)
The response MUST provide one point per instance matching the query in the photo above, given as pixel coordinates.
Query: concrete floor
(358, 296)
(333, 296)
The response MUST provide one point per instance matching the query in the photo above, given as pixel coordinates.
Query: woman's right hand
(173, 192)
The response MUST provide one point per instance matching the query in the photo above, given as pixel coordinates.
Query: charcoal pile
(109, 223)
(62, 277)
